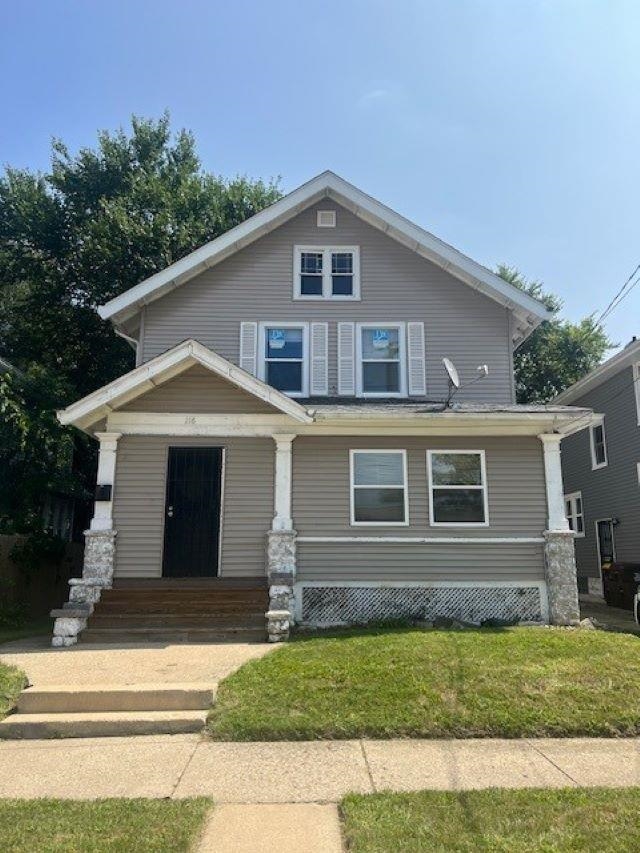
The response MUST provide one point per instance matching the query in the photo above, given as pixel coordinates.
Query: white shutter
(346, 360)
(319, 385)
(415, 351)
(248, 347)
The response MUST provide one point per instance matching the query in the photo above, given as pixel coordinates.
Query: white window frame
(402, 359)
(595, 466)
(353, 487)
(571, 498)
(327, 251)
(483, 486)
(636, 385)
(262, 359)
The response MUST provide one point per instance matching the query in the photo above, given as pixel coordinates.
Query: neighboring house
(287, 425)
(601, 467)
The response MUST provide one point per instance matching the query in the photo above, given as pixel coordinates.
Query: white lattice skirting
(339, 605)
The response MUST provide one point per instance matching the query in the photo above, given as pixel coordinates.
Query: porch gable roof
(97, 405)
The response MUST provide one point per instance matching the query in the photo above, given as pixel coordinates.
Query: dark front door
(605, 542)
(192, 512)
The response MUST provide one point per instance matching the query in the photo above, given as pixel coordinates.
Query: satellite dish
(452, 373)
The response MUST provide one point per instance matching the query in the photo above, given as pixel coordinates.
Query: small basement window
(574, 512)
(379, 487)
(321, 272)
(457, 488)
(598, 445)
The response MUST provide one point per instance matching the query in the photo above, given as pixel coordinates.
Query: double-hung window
(457, 488)
(284, 361)
(379, 487)
(598, 442)
(326, 272)
(574, 512)
(380, 360)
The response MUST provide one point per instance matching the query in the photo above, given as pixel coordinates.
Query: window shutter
(346, 359)
(415, 350)
(248, 347)
(319, 366)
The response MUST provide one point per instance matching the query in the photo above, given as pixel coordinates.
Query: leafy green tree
(559, 352)
(36, 453)
(97, 223)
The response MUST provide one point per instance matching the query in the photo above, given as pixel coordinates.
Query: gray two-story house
(291, 442)
(601, 467)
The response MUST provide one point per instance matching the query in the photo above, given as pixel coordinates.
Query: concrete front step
(101, 724)
(64, 699)
(229, 634)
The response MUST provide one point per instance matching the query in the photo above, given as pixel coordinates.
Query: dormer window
(326, 272)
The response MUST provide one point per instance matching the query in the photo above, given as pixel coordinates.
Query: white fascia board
(164, 367)
(529, 311)
(621, 360)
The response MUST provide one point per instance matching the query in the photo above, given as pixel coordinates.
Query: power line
(609, 306)
(622, 294)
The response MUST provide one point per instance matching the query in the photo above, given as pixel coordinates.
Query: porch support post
(559, 551)
(281, 546)
(99, 552)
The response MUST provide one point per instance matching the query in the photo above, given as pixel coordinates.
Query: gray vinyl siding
(199, 390)
(139, 497)
(613, 491)
(517, 508)
(256, 284)
(419, 562)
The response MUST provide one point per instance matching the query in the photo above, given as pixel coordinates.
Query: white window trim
(326, 273)
(638, 472)
(402, 359)
(636, 385)
(262, 361)
(571, 497)
(595, 466)
(352, 487)
(485, 491)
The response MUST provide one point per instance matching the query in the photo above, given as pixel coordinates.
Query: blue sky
(509, 128)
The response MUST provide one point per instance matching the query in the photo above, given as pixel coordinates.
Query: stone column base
(562, 582)
(281, 570)
(278, 625)
(84, 592)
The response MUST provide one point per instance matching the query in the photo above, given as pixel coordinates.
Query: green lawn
(495, 820)
(519, 682)
(12, 681)
(101, 826)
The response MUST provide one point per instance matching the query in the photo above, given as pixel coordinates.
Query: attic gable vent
(326, 219)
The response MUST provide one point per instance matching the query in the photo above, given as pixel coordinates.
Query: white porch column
(559, 551)
(556, 517)
(281, 546)
(99, 552)
(103, 511)
(282, 490)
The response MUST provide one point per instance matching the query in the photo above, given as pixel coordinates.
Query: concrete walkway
(136, 664)
(611, 618)
(307, 772)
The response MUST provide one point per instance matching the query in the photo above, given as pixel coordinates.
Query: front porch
(180, 610)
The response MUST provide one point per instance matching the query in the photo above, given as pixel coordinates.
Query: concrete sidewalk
(306, 772)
